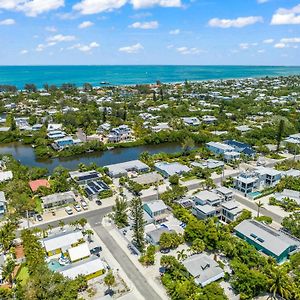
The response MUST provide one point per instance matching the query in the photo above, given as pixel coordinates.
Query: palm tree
(8, 270)
(279, 283)
(61, 224)
(89, 233)
(109, 280)
(259, 206)
(181, 255)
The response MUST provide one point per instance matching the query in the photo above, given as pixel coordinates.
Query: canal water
(25, 154)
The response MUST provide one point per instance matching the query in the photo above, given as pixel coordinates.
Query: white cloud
(85, 24)
(24, 51)
(261, 51)
(280, 45)
(290, 40)
(186, 50)
(31, 8)
(268, 41)
(286, 16)
(245, 46)
(85, 48)
(51, 29)
(144, 25)
(132, 49)
(8, 22)
(88, 7)
(137, 4)
(174, 31)
(61, 38)
(238, 23)
(262, 1)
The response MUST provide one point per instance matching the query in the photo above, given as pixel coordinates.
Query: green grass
(184, 179)
(38, 205)
(23, 275)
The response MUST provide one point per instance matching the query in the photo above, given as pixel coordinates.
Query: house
(67, 141)
(56, 134)
(148, 178)
(203, 268)
(243, 128)
(169, 169)
(250, 181)
(209, 119)
(120, 134)
(61, 242)
(267, 240)
(219, 148)
(122, 169)
(293, 139)
(35, 184)
(225, 192)
(83, 178)
(90, 268)
(153, 236)
(58, 199)
(6, 175)
(3, 204)
(191, 121)
(157, 210)
(288, 194)
(241, 147)
(79, 252)
(208, 164)
(230, 211)
(204, 211)
(53, 127)
(95, 188)
(160, 127)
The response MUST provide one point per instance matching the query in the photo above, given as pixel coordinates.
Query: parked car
(39, 218)
(84, 205)
(99, 202)
(77, 207)
(69, 210)
(165, 251)
(96, 250)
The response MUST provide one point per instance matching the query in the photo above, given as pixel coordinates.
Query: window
(260, 240)
(253, 235)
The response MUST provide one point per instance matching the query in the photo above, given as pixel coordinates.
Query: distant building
(288, 194)
(169, 169)
(265, 239)
(58, 199)
(209, 164)
(204, 269)
(191, 121)
(65, 142)
(157, 210)
(120, 134)
(153, 236)
(3, 204)
(84, 177)
(122, 169)
(6, 175)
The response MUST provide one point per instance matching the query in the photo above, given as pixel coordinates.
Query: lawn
(23, 275)
(38, 205)
(184, 179)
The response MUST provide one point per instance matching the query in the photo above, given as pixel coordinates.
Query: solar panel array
(95, 187)
(92, 175)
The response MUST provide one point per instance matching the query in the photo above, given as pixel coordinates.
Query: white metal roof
(79, 252)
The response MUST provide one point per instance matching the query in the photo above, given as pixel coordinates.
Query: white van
(69, 210)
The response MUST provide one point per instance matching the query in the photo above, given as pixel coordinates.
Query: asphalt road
(263, 211)
(132, 272)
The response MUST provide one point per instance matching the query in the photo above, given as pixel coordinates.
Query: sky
(161, 32)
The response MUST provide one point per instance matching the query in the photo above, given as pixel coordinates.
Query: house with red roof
(35, 184)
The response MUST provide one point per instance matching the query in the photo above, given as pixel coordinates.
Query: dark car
(164, 251)
(99, 202)
(96, 250)
(39, 218)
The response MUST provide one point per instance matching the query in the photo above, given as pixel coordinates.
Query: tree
(8, 269)
(89, 233)
(149, 257)
(137, 214)
(30, 87)
(197, 246)
(279, 283)
(181, 255)
(109, 279)
(170, 240)
(259, 205)
(120, 212)
(280, 133)
(174, 179)
(87, 87)
(61, 224)
(292, 223)
(82, 222)
(187, 145)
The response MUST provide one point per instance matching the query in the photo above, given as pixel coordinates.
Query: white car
(69, 210)
(77, 207)
(84, 205)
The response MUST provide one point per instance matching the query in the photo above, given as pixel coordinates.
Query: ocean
(127, 75)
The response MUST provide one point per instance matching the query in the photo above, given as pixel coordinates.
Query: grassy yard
(38, 205)
(23, 275)
(184, 179)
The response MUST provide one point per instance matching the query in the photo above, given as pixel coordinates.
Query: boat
(110, 148)
(104, 82)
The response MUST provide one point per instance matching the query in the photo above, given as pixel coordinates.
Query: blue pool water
(54, 265)
(254, 194)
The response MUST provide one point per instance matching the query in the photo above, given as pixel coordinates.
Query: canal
(25, 154)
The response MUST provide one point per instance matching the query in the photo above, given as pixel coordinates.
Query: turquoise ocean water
(123, 75)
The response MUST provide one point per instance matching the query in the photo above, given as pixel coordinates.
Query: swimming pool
(254, 195)
(54, 265)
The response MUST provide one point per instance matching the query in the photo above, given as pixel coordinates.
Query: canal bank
(26, 155)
